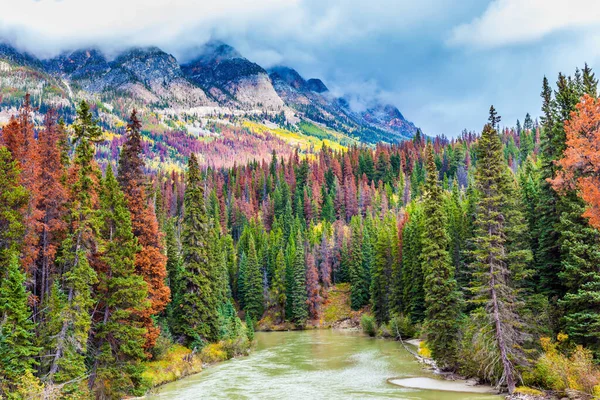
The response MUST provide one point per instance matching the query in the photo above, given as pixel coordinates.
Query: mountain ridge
(218, 80)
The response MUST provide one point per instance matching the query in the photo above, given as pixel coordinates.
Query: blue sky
(441, 62)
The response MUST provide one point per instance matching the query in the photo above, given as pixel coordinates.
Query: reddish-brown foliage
(581, 161)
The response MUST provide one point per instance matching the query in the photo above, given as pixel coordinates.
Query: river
(315, 364)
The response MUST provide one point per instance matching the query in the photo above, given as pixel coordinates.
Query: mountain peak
(8, 52)
(316, 85)
(216, 51)
(289, 76)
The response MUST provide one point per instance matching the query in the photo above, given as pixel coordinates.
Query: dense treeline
(484, 244)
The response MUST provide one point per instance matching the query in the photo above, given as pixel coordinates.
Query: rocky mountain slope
(219, 81)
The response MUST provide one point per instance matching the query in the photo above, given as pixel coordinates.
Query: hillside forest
(486, 245)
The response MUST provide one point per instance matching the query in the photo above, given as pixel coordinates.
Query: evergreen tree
(197, 308)
(382, 274)
(495, 265)
(150, 261)
(278, 286)
(17, 349)
(253, 288)
(442, 298)
(359, 288)
(298, 295)
(119, 333)
(13, 199)
(413, 296)
(68, 362)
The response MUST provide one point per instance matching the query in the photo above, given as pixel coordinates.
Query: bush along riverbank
(174, 361)
(556, 369)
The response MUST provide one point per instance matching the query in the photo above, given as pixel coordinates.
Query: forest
(485, 245)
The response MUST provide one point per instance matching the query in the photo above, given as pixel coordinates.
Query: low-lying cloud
(441, 63)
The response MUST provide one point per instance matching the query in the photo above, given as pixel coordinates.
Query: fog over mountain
(432, 59)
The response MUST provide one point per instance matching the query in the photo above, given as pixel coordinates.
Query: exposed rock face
(388, 116)
(148, 74)
(232, 79)
(316, 85)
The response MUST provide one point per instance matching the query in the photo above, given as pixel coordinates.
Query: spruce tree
(119, 333)
(382, 274)
(442, 298)
(413, 296)
(299, 296)
(17, 349)
(13, 199)
(253, 287)
(359, 289)
(278, 286)
(498, 257)
(68, 356)
(150, 261)
(197, 310)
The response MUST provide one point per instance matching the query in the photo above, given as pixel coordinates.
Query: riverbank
(335, 313)
(317, 363)
(180, 362)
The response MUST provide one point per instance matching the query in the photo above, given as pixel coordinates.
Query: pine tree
(241, 280)
(17, 349)
(253, 287)
(52, 203)
(68, 362)
(278, 285)
(150, 261)
(442, 298)
(298, 295)
(413, 296)
(382, 274)
(13, 199)
(359, 289)
(197, 310)
(312, 287)
(495, 256)
(119, 333)
(174, 267)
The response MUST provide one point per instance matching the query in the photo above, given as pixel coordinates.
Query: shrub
(213, 352)
(478, 351)
(162, 345)
(367, 322)
(558, 371)
(424, 350)
(402, 325)
(528, 391)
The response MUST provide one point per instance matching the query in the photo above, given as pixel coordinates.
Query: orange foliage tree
(150, 262)
(580, 165)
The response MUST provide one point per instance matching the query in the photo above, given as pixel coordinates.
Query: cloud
(509, 22)
(415, 54)
(49, 26)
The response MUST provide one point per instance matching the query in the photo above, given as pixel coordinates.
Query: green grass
(337, 306)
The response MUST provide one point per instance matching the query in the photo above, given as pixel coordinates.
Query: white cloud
(48, 26)
(507, 22)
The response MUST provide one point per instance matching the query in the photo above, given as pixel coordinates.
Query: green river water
(316, 364)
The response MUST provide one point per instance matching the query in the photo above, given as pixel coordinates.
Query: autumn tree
(580, 171)
(74, 319)
(150, 261)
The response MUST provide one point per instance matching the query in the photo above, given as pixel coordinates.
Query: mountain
(147, 74)
(217, 87)
(232, 79)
